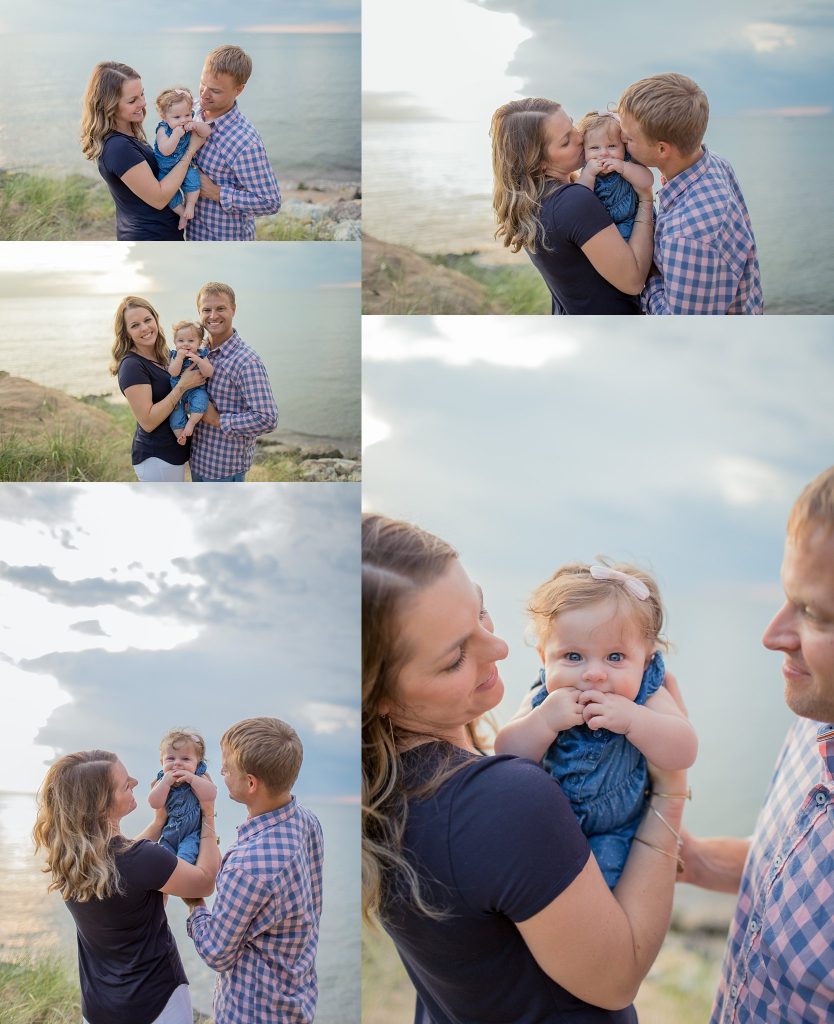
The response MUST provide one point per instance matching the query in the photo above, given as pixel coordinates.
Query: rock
(347, 231)
(331, 469)
(346, 209)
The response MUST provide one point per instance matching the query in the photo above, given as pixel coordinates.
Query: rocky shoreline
(332, 209)
(316, 463)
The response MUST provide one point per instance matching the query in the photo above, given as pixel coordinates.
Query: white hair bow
(631, 583)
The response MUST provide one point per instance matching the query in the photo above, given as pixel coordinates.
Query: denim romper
(195, 400)
(605, 778)
(181, 834)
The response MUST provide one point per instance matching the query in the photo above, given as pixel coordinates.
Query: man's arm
(695, 280)
(716, 862)
(219, 934)
(260, 413)
(256, 191)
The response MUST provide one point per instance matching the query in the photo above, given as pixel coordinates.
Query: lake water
(308, 340)
(32, 921)
(303, 96)
(428, 185)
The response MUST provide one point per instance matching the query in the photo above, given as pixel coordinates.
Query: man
(779, 960)
(236, 180)
(704, 249)
(262, 931)
(241, 402)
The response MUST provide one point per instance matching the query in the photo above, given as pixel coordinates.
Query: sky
(748, 56)
(128, 611)
(677, 444)
(186, 16)
(117, 268)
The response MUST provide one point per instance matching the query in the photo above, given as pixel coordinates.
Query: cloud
(85, 592)
(91, 627)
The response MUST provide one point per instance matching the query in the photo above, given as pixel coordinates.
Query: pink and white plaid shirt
(703, 245)
(241, 391)
(234, 158)
(262, 931)
(779, 962)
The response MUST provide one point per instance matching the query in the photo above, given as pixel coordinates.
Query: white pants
(156, 471)
(177, 1009)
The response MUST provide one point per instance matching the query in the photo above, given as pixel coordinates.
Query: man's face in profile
(803, 629)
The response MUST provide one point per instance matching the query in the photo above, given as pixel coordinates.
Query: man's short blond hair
(230, 60)
(216, 288)
(668, 108)
(814, 507)
(267, 748)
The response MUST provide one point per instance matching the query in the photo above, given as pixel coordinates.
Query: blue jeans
(236, 478)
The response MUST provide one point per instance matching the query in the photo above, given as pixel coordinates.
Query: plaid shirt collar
(226, 348)
(675, 187)
(825, 745)
(223, 121)
(262, 822)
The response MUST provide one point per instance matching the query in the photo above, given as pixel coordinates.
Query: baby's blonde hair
(182, 324)
(573, 586)
(168, 97)
(176, 737)
(597, 119)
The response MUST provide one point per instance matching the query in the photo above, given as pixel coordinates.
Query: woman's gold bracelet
(666, 853)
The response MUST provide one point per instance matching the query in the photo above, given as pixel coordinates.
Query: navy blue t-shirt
(570, 216)
(136, 221)
(160, 443)
(128, 962)
(495, 845)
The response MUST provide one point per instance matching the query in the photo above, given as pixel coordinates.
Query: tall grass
(42, 991)
(518, 290)
(35, 207)
(59, 456)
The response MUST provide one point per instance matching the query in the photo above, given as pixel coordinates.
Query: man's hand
(208, 190)
(193, 904)
(211, 416)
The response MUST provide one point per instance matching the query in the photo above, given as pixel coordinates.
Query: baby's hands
(610, 164)
(592, 168)
(607, 711)
(167, 779)
(204, 788)
(199, 128)
(561, 709)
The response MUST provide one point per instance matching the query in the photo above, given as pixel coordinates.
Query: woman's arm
(623, 264)
(154, 830)
(192, 881)
(141, 182)
(599, 944)
(150, 414)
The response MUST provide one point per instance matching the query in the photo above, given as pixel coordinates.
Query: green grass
(518, 290)
(35, 207)
(288, 229)
(39, 991)
(59, 456)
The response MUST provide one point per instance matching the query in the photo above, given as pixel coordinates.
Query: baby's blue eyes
(573, 656)
(616, 656)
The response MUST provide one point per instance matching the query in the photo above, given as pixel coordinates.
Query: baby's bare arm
(165, 143)
(663, 734)
(638, 176)
(204, 364)
(160, 790)
(202, 785)
(530, 734)
(175, 366)
(588, 174)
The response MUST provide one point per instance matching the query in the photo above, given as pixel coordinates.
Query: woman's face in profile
(141, 325)
(132, 106)
(122, 801)
(563, 151)
(450, 676)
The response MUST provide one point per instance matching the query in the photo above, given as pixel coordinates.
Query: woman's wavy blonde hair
(121, 339)
(73, 826)
(98, 111)
(398, 561)
(520, 184)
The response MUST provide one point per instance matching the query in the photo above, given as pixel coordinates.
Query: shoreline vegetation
(44, 990)
(46, 435)
(398, 280)
(41, 207)
(680, 986)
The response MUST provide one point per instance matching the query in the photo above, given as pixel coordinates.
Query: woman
(565, 229)
(112, 134)
(128, 962)
(475, 865)
(140, 360)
